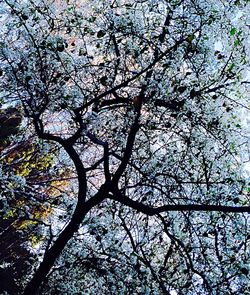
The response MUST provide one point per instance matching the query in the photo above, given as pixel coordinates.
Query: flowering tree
(144, 102)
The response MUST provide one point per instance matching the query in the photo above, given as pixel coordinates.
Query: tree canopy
(124, 145)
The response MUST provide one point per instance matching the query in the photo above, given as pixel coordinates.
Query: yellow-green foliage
(28, 160)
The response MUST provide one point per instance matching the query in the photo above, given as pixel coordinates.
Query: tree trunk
(53, 253)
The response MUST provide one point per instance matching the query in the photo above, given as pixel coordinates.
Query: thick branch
(68, 146)
(148, 210)
(82, 208)
(53, 253)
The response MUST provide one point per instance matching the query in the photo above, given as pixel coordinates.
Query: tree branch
(148, 210)
(53, 253)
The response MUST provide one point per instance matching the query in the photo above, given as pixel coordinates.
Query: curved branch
(148, 210)
(81, 209)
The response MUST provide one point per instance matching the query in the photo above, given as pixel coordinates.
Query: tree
(24, 169)
(143, 100)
